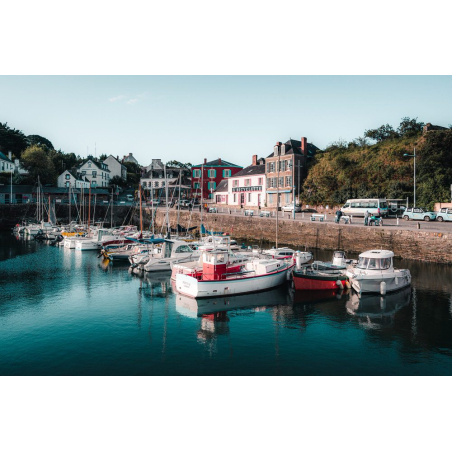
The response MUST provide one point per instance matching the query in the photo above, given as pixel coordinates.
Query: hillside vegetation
(362, 170)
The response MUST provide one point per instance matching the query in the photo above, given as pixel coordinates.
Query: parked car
(129, 197)
(445, 214)
(418, 213)
(289, 208)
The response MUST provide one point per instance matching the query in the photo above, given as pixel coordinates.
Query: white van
(358, 207)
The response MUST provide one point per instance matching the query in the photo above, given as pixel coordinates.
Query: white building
(116, 167)
(155, 164)
(96, 172)
(73, 180)
(6, 164)
(245, 188)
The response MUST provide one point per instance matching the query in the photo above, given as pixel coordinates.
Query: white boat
(375, 273)
(215, 242)
(302, 257)
(215, 281)
(96, 242)
(173, 251)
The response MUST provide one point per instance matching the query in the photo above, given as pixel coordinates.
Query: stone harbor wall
(420, 244)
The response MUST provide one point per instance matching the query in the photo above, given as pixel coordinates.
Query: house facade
(6, 164)
(285, 170)
(207, 176)
(72, 179)
(116, 167)
(130, 158)
(246, 188)
(96, 172)
(154, 181)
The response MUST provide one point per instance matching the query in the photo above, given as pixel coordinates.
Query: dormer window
(283, 149)
(276, 150)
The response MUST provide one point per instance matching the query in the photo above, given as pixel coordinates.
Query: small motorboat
(339, 262)
(375, 273)
(216, 281)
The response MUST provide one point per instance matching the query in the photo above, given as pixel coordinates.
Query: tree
(12, 140)
(177, 164)
(38, 163)
(40, 141)
(362, 142)
(410, 127)
(384, 132)
(118, 181)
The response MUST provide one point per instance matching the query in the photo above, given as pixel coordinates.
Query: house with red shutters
(208, 175)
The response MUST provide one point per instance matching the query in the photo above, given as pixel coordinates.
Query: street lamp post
(414, 175)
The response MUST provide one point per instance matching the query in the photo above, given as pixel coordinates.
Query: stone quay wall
(419, 245)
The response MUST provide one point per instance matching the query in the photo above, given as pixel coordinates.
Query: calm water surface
(63, 313)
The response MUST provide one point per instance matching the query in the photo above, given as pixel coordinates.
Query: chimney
(205, 161)
(254, 159)
(219, 160)
(130, 154)
(304, 146)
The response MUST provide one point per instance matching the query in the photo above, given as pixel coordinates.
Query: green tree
(118, 181)
(38, 163)
(384, 132)
(410, 127)
(40, 141)
(177, 164)
(12, 140)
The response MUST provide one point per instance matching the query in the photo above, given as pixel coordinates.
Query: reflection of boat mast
(414, 319)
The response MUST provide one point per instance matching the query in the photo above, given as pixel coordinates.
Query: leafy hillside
(358, 169)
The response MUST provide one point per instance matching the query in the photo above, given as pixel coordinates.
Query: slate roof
(95, 163)
(294, 147)
(222, 186)
(251, 171)
(217, 163)
(3, 157)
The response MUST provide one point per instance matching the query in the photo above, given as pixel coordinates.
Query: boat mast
(202, 188)
(111, 210)
(152, 203)
(277, 196)
(166, 200)
(141, 216)
(89, 206)
(178, 201)
(48, 213)
(69, 203)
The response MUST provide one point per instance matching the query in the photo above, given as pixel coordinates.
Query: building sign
(255, 188)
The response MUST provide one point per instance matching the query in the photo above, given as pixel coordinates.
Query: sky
(189, 118)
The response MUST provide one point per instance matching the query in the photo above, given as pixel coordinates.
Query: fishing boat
(308, 278)
(375, 273)
(216, 281)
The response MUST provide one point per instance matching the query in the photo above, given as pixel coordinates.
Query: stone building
(116, 167)
(285, 170)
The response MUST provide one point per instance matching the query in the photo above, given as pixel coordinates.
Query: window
(270, 198)
(271, 167)
(281, 181)
(156, 184)
(183, 249)
(89, 164)
(260, 181)
(83, 173)
(288, 181)
(212, 185)
(249, 197)
(196, 173)
(67, 184)
(247, 182)
(94, 173)
(235, 197)
(287, 198)
(212, 173)
(196, 185)
(227, 173)
(68, 176)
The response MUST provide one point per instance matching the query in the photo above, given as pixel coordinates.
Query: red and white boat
(216, 281)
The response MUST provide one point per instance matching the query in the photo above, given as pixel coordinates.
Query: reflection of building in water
(373, 310)
(213, 325)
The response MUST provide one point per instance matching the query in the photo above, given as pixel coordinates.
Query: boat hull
(319, 282)
(191, 287)
(371, 283)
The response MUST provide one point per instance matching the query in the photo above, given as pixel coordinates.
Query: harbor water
(64, 312)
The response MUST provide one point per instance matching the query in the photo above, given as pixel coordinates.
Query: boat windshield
(374, 264)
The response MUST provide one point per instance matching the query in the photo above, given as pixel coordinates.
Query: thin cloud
(116, 98)
(132, 101)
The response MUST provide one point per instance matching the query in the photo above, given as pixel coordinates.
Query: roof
(123, 166)
(294, 147)
(251, 171)
(222, 186)
(377, 254)
(3, 157)
(218, 162)
(76, 176)
(95, 163)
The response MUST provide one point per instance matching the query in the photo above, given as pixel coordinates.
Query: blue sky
(187, 118)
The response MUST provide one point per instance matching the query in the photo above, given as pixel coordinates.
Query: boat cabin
(375, 260)
(214, 264)
(174, 248)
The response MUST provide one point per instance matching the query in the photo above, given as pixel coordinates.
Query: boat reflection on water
(373, 310)
(214, 311)
(313, 296)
